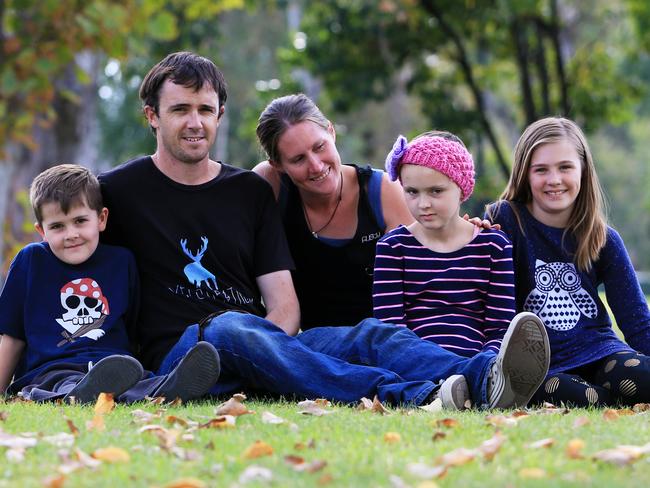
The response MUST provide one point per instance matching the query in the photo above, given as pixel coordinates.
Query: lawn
(189, 446)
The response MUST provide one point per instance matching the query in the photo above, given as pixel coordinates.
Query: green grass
(350, 441)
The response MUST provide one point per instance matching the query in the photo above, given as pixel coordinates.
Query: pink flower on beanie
(444, 155)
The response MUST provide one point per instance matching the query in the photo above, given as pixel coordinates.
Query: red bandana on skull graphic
(86, 308)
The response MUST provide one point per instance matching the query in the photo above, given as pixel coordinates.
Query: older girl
(552, 209)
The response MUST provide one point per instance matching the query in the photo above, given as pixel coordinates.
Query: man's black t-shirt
(198, 248)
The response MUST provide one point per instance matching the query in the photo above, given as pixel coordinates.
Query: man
(207, 239)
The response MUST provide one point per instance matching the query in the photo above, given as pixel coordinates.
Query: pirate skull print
(85, 309)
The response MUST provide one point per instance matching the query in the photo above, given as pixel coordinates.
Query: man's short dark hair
(186, 69)
(67, 185)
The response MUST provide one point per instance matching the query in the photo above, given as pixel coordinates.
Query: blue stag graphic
(195, 272)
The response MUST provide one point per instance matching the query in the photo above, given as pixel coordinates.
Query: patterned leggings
(619, 379)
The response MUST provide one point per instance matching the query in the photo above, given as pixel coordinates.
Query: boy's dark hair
(67, 185)
(183, 68)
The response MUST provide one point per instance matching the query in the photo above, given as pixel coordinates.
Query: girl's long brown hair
(587, 223)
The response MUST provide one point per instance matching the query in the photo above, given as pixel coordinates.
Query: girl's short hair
(283, 113)
(587, 222)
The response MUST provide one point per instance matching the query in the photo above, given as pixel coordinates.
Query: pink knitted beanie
(444, 155)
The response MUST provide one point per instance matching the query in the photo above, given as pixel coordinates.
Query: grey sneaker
(113, 374)
(454, 393)
(194, 375)
(521, 365)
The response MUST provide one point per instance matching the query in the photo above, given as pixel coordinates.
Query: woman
(333, 214)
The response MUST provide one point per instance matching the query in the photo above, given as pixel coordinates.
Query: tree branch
(466, 68)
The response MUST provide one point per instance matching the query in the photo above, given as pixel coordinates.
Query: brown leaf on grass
(54, 481)
(620, 455)
(257, 449)
(457, 457)
(448, 423)
(186, 483)
(574, 448)
(142, 417)
(4, 416)
(156, 400)
(176, 402)
(111, 454)
(519, 413)
(299, 446)
(86, 460)
(299, 464)
(425, 471)
(314, 407)
(364, 404)
(293, 460)
(532, 473)
(542, 443)
(581, 422)
(392, 437)
(234, 406)
(641, 407)
(490, 447)
(174, 420)
(438, 435)
(221, 422)
(72, 427)
(502, 420)
(613, 414)
(105, 403)
(167, 438)
(97, 423)
(378, 407)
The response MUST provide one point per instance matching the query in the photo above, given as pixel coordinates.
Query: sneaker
(521, 365)
(113, 374)
(454, 393)
(193, 377)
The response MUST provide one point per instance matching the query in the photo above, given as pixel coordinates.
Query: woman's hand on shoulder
(482, 223)
(393, 205)
(270, 174)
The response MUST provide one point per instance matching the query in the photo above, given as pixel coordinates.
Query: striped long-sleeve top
(462, 300)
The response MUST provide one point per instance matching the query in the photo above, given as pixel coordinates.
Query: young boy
(68, 302)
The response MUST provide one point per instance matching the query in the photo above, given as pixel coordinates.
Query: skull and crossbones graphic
(86, 309)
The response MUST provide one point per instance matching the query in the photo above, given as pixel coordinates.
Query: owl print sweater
(548, 284)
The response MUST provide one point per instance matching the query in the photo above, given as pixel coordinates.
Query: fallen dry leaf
(392, 437)
(621, 455)
(542, 443)
(257, 449)
(54, 481)
(255, 473)
(299, 446)
(438, 435)
(111, 454)
(532, 473)
(140, 416)
(105, 403)
(448, 423)
(425, 471)
(581, 422)
(502, 420)
(97, 423)
(186, 483)
(574, 448)
(299, 464)
(174, 420)
(221, 422)
(641, 407)
(314, 407)
(72, 427)
(86, 460)
(294, 460)
(613, 414)
(490, 447)
(269, 418)
(234, 406)
(457, 457)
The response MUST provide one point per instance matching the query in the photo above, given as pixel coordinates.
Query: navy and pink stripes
(463, 300)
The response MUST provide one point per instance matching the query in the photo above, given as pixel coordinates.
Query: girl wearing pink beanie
(447, 280)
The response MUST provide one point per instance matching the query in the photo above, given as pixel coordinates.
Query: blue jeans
(338, 363)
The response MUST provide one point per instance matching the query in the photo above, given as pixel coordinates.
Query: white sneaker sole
(522, 362)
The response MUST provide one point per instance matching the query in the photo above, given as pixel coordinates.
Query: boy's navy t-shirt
(68, 313)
